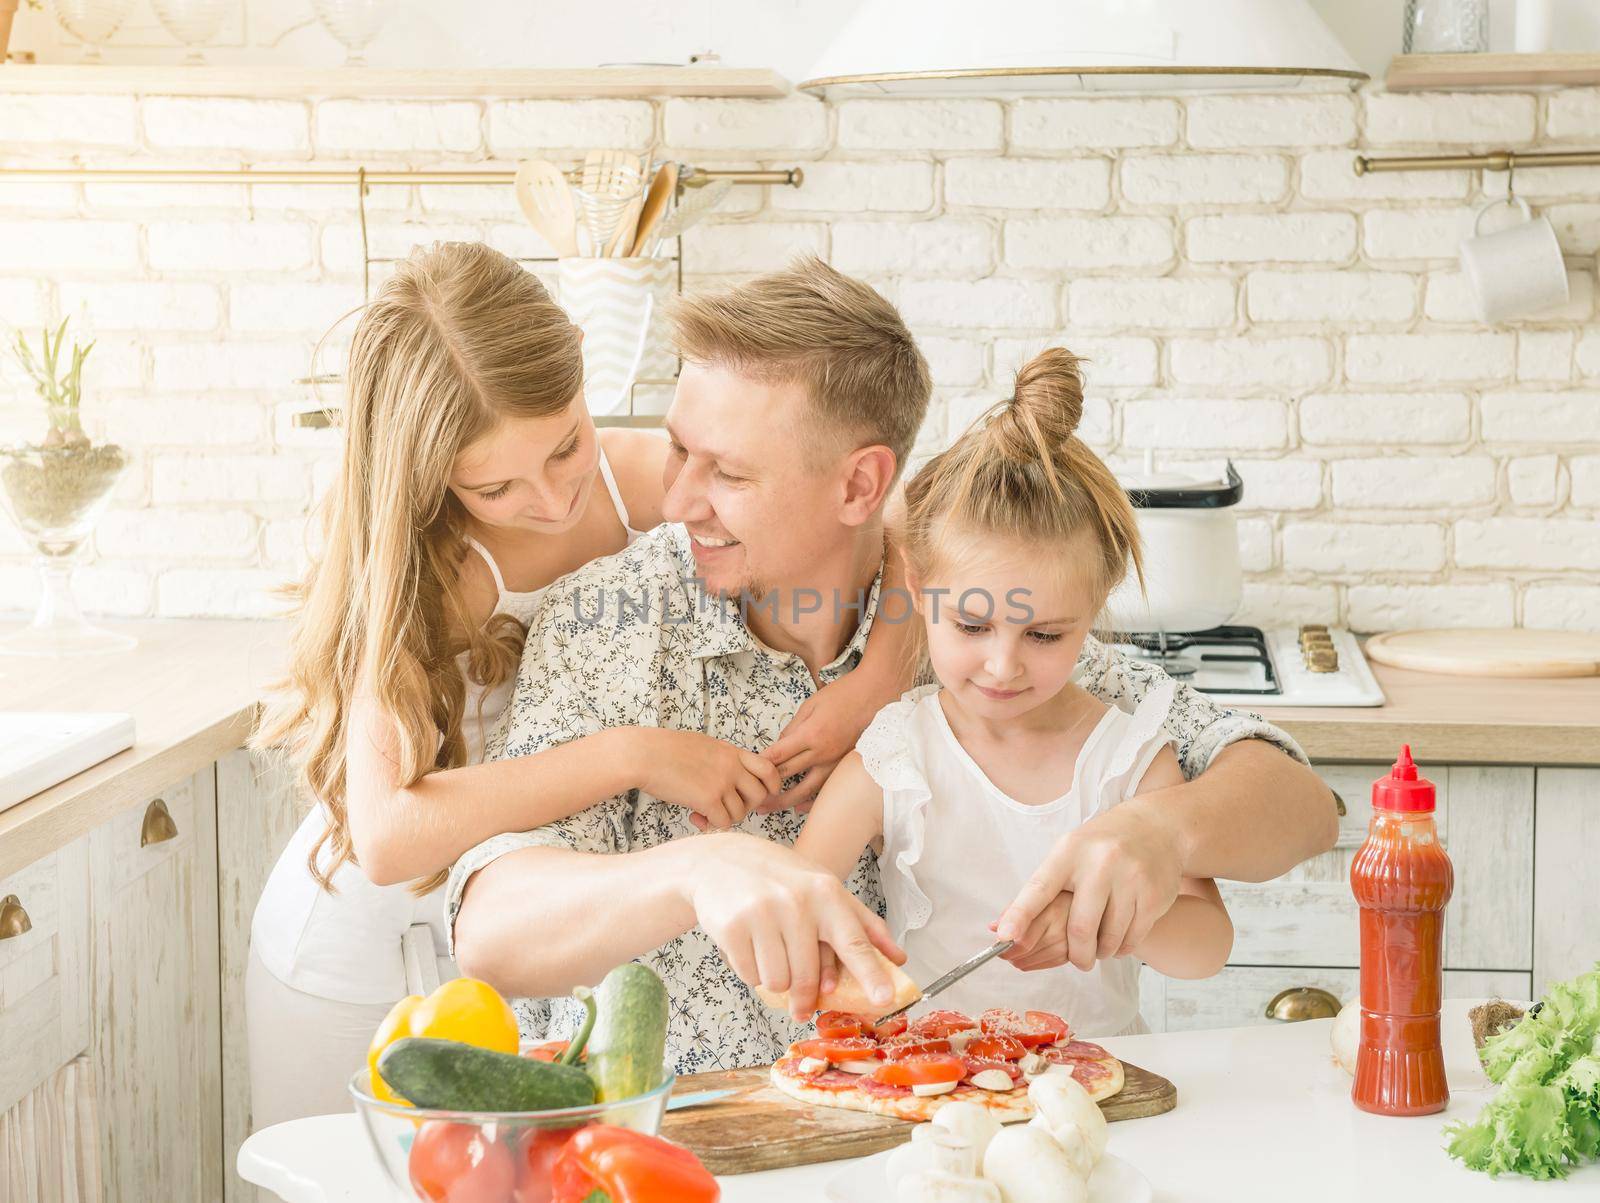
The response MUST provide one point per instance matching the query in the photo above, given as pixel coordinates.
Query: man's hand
(720, 782)
(1122, 870)
(776, 916)
(822, 732)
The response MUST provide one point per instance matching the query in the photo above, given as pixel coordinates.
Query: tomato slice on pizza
(942, 1023)
(996, 1048)
(921, 1069)
(833, 1025)
(837, 1050)
(901, 1047)
(1051, 1024)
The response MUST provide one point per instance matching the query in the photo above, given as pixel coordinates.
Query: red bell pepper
(607, 1164)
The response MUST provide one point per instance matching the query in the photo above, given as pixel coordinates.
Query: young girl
(472, 477)
(1013, 539)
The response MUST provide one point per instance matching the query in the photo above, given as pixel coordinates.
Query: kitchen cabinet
(1566, 940)
(44, 971)
(156, 1042)
(135, 952)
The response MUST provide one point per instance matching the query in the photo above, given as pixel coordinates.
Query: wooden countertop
(1457, 720)
(193, 688)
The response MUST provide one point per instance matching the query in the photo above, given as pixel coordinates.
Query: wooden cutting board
(761, 1128)
(1490, 652)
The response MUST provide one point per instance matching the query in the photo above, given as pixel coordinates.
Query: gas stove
(1283, 666)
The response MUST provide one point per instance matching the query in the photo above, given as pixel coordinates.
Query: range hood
(1042, 47)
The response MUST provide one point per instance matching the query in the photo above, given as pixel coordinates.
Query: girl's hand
(719, 782)
(1044, 944)
(823, 731)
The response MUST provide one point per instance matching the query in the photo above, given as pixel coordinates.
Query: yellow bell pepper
(464, 1009)
(396, 1023)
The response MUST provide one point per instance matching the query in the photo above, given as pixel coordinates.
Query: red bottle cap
(1402, 789)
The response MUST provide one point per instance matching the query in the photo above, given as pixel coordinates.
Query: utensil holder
(619, 304)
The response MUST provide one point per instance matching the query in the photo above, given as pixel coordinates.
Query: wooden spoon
(662, 189)
(546, 202)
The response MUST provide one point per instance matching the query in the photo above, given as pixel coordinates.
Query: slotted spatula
(546, 202)
(694, 205)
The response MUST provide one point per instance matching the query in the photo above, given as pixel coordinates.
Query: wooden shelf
(1415, 72)
(552, 83)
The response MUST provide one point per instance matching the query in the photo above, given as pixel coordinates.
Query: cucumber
(445, 1075)
(629, 1040)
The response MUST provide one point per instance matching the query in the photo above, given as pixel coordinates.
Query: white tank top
(956, 849)
(345, 945)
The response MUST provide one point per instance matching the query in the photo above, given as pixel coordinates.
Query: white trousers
(303, 1049)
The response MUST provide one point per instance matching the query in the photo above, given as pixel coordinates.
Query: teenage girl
(472, 478)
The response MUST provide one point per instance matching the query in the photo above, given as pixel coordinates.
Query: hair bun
(1050, 388)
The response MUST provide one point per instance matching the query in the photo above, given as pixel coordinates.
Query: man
(800, 396)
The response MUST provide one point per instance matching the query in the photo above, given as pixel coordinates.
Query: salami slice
(1089, 1074)
(824, 1079)
(1077, 1050)
(882, 1090)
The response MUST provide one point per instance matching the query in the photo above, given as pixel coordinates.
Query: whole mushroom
(1030, 1167)
(936, 1186)
(1063, 1107)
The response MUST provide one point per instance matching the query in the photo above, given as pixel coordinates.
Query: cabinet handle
(1302, 1002)
(14, 920)
(1338, 803)
(158, 826)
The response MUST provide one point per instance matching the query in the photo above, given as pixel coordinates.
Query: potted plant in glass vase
(56, 482)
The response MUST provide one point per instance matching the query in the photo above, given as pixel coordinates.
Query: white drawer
(1238, 996)
(1485, 818)
(44, 972)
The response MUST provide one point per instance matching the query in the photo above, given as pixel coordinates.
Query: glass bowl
(486, 1156)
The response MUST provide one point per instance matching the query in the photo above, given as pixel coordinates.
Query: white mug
(1515, 271)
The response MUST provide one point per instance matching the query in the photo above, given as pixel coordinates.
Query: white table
(1262, 1113)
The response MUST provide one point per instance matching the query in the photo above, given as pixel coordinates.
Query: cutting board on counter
(38, 750)
(1489, 652)
(761, 1128)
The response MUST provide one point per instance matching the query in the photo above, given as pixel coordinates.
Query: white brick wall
(1234, 288)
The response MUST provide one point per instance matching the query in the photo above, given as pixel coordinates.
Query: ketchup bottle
(1402, 879)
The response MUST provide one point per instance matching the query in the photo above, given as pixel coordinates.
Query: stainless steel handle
(158, 826)
(1302, 1002)
(14, 920)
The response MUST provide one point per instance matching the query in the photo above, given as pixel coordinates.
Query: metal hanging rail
(1496, 160)
(694, 177)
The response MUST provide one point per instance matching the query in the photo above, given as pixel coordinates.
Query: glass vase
(92, 22)
(1446, 27)
(354, 23)
(55, 488)
(195, 23)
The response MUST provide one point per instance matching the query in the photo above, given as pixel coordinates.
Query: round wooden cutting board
(1489, 652)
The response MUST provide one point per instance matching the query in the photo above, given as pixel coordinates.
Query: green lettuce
(1545, 1117)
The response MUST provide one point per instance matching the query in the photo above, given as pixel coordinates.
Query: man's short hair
(810, 324)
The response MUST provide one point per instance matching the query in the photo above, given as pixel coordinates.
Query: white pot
(1193, 581)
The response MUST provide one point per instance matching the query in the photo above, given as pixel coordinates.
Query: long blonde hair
(1021, 472)
(457, 340)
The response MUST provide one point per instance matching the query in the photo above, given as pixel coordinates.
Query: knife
(954, 976)
(697, 1098)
